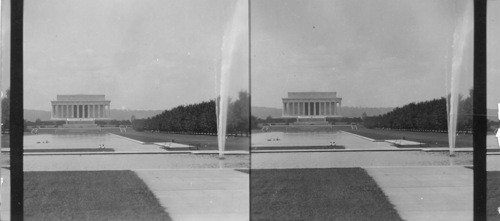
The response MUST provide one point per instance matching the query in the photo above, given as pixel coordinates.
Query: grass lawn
(338, 147)
(89, 195)
(433, 139)
(317, 194)
(232, 143)
(493, 195)
(69, 150)
(5, 141)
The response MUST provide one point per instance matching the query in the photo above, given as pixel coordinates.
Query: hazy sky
(147, 54)
(142, 54)
(373, 53)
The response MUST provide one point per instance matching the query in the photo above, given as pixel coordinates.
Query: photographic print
(136, 110)
(363, 110)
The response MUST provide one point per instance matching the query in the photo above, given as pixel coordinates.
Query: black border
(479, 123)
(16, 110)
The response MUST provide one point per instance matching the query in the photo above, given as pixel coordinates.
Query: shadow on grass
(247, 171)
(493, 195)
(69, 150)
(89, 195)
(326, 147)
(317, 194)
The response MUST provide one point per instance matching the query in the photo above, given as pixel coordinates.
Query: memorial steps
(308, 128)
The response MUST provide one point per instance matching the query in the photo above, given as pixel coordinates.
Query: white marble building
(80, 107)
(311, 105)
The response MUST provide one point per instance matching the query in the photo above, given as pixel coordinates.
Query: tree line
(426, 115)
(200, 118)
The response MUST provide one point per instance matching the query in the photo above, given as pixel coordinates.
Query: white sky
(146, 54)
(142, 54)
(373, 53)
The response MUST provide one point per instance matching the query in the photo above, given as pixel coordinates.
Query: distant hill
(492, 114)
(33, 115)
(127, 114)
(261, 112)
(358, 111)
(264, 112)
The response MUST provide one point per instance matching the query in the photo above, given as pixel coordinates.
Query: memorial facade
(80, 107)
(311, 104)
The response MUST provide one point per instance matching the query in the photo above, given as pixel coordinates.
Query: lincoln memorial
(311, 105)
(80, 107)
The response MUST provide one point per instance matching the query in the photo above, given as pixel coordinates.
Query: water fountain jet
(232, 37)
(462, 32)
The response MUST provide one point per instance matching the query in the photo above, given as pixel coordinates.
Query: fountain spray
(233, 34)
(463, 30)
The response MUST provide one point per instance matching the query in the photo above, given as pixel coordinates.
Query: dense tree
(200, 118)
(426, 115)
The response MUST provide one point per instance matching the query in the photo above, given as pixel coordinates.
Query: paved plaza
(421, 185)
(188, 186)
(5, 195)
(200, 194)
(428, 193)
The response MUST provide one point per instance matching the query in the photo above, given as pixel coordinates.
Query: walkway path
(189, 186)
(5, 195)
(428, 193)
(200, 194)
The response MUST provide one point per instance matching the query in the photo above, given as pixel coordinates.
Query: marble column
(288, 108)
